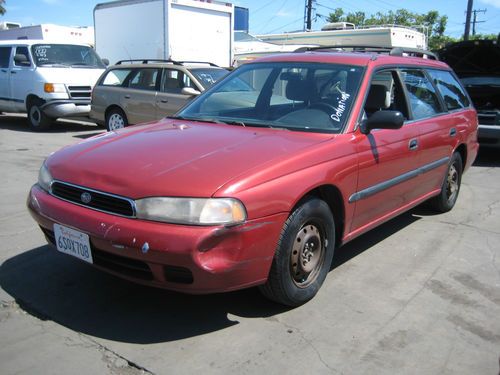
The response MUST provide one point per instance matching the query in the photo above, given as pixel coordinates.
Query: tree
(2, 8)
(434, 24)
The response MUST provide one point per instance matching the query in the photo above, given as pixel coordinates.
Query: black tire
(37, 119)
(447, 198)
(116, 119)
(303, 255)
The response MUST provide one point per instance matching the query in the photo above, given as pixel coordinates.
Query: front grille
(80, 92)
(98, 200)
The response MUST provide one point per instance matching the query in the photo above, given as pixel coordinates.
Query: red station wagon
(261, 177)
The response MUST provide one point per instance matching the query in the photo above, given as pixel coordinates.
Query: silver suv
(135, 91)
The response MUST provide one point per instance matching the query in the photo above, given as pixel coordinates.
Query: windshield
(294, 96)
(208, 76)
(64, 55)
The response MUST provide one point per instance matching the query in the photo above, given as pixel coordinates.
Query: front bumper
(489, 136)
(190, 259)
(66, 108)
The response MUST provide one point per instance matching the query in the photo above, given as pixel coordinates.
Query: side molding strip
(372, 190)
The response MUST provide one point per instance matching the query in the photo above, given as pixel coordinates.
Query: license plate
(73, 242)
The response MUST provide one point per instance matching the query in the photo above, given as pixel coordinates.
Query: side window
(174, 81)
(4, 56)
(424, 101)
(23, 51)
(115, 77)
(386, 93)
(451, 91)
(144, 79)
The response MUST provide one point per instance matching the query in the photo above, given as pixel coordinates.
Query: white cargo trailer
(183, 30)
(54, 33)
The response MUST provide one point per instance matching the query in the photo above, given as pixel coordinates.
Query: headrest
(298, 89)
(378, 97)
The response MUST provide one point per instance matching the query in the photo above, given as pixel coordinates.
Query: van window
(4, 56)
(452, 92)
(424, 101)
(24, 52)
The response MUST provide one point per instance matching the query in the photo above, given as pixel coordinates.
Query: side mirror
(382, 120)
(190, 91)
(21, 60)
(105, 62)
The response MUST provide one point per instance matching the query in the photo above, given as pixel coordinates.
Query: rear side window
(4, 57)
(423, 99)
(144, 79)
(115, 77)
(452, 92)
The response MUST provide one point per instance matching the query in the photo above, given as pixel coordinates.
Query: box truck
(183, 30)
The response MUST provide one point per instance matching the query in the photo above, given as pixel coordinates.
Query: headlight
(54, 87)
(198, 211)
(44, 178)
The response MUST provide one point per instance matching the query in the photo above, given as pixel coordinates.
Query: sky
(269, 16)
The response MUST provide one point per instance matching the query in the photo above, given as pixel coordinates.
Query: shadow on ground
(488, 157)
(53, 286)
(20, 123)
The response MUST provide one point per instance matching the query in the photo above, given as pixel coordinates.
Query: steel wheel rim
(308, 254)
(452, 183)
(116, 122)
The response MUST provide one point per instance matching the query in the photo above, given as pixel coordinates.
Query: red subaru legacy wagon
(260, 178)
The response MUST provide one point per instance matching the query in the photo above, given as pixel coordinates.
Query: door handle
(13, 72)
(4, 70)
(127, 96)
(164, 100)
(453, 132)
(413, 144)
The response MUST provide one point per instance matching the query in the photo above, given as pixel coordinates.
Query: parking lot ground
(418, 295)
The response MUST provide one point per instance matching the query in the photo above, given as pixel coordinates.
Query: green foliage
(2, 8)
(435, 25)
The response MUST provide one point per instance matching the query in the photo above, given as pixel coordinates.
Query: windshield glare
(66, 55)
(295, 96)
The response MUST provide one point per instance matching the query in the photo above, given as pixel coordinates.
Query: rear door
(139, 98)
(21, 78)
(5, 57)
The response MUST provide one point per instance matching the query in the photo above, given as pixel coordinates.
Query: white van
(47, 80)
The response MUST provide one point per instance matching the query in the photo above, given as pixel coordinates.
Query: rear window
(453, 94)
(424, 101)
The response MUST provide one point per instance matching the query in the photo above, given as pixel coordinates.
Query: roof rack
(147, 61)
(393, 51)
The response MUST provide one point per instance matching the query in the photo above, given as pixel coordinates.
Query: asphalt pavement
(418, 295)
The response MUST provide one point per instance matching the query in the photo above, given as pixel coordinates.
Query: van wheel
(303, 256)
(116, 119)
(447, 198)
(38, 120)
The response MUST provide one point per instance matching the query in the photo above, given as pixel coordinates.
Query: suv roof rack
(393, 51)
(147, 61)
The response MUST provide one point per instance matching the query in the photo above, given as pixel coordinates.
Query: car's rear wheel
(448, 196)
(303, 255)
(38, 120)
(116, 119)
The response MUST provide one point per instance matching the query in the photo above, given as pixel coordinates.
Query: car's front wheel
(116, 119)
(303, 255)
(38, 120)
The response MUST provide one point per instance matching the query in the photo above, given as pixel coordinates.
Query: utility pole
(467, 20)
(309, 8)
(474, 19)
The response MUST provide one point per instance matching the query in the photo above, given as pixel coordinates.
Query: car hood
(176, 158)
(472, 58)
(70, 76)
